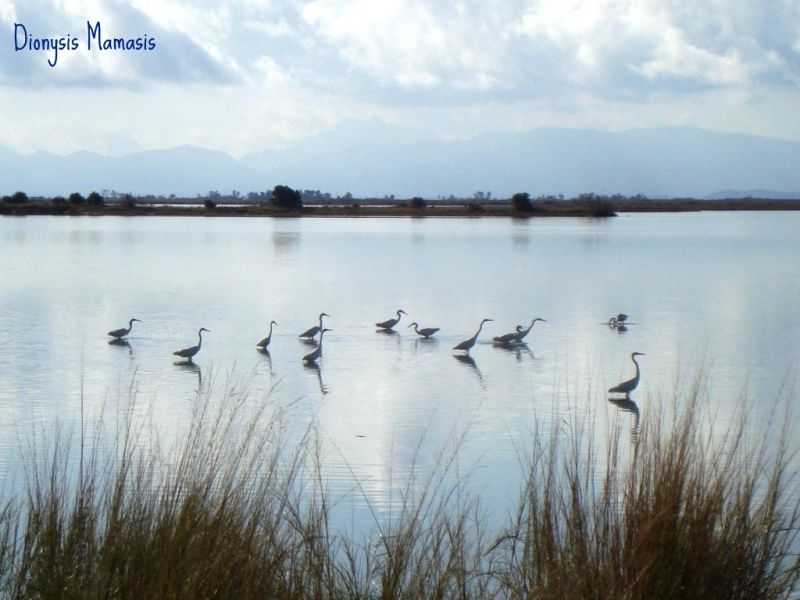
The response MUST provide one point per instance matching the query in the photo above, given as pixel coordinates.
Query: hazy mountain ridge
(374, 159)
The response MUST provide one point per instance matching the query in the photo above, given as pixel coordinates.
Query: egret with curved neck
(122, 332)
(467, 344)
(522, 334)
(507, 338)
(263, 343)
(317, 352)
(311, 333)
(390, 323)
(188, 353)
(626, 387)
(425, 332)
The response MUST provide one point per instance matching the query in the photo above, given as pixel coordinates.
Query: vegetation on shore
(285, 201)
(236, 511)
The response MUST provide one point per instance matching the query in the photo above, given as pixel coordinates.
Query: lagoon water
(712, 293)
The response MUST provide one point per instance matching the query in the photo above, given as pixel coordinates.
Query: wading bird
(388, 324)
(522, 334)
(312, 356)
(263, 343)
(425, 332)
(618, 319)
(188, 353)
(507, 338)
(310, 333)
(467, 344)
(626, 387)
(122, 332)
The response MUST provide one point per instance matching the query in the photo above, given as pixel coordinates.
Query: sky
(247, 75)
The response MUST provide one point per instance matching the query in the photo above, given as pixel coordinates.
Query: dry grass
(235, 511)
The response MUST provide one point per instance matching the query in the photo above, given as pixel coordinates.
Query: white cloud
(266, 70)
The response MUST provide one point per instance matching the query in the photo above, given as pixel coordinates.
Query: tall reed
(235, 509)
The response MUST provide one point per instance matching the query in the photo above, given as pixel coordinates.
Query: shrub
(95, 200)
(521, 202)
(127, 202)
(210, 204)
(76, 199)
(239, 510)
(59, 203)
(17, 198)
(475, 207)
(418, 203)
(285, 197)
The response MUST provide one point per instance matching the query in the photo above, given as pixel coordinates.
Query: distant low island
(283, 201)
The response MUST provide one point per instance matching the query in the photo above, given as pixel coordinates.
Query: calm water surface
(716, 292)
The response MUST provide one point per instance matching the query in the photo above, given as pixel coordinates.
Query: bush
(521, 202)
(596, 206)
(76, 199)
(95, 200)
(475, 207)
(127, 202)
(59, 203)
(17, 198)
(210, 204)
(239, 510)
(418, 203)
(285, 197)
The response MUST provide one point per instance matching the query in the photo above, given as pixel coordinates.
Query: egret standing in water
(312, 356)
(467, 344)
(122, 332)
(188, 353)
(263, 343)
(507, 338)
(425, 332)
(626, 387)
(522, 334)
(388, 324)
(310, 333)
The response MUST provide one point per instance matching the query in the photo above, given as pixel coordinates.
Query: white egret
(425, 332)
(467, 344)
(263, 343)
(388, 324)
(122, 332)
(188, 353)
(317, 352)
(626, 387)
(522, 334)
(310, 333)
(507, 338)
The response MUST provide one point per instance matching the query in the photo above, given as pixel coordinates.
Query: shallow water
(710, 292)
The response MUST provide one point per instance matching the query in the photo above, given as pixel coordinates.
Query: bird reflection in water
(617, 323)
(519, 349)
(629, 406)
(121, 343)
(192, 367)
(268, 358)
(315, 367)
(470, 362)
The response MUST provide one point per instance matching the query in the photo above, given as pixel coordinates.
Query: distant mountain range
(371, 159)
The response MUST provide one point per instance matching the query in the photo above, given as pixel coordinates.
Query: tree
(59, 203)
(521, 201)
(95, 199)
(76, 199)
(18, 198)
(285, 197)
(417, 202)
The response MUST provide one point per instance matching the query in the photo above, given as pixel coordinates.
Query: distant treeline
(283, 198)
